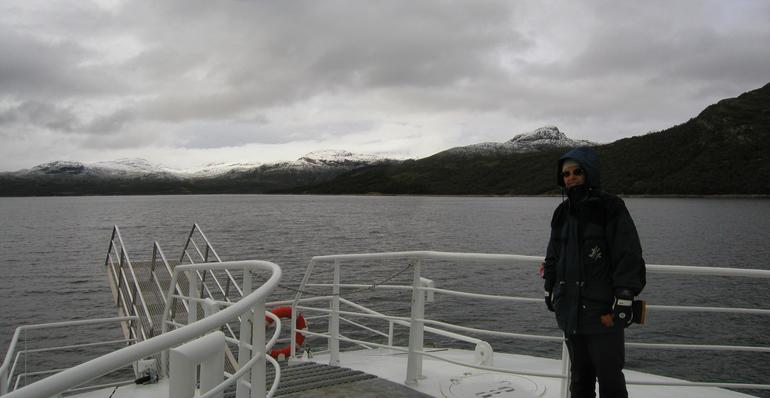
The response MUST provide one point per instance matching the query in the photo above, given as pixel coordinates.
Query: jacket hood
(589, 162)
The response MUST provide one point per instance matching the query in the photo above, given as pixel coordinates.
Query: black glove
(548, 287)
(622, 309)
(548, 300)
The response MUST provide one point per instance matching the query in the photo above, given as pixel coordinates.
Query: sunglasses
(577, 172)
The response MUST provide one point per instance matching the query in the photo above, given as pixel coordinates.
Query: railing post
(258, 342)
(209, 352)
(154, 258)
(194, 292)
(244, 353)
(416, 328)
(390, 333)
(4, 382)
(334, 320)
(109, 248)
(565, 370)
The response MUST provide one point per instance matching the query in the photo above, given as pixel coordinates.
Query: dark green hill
(724, 150)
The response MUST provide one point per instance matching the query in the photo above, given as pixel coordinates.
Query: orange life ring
(299, 338)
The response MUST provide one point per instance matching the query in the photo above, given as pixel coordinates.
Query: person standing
(593, 269)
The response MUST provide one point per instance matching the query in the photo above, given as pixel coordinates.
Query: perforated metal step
(309, 376)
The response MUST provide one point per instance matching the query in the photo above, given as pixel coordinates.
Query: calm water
(52, 252)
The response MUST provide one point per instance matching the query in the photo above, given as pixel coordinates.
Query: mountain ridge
(724, 150)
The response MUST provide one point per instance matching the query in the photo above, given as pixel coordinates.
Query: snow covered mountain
(136, 168)
(547, 137)
(138, 176)
(331, 158)
(121, 168)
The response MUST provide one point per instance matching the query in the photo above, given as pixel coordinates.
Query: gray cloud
(40, 114)
(201, 74)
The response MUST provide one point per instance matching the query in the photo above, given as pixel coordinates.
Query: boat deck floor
(369, 388)
(301, 380)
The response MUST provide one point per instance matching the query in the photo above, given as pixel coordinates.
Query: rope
(372, 287)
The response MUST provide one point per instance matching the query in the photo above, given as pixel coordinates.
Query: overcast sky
(186, 83)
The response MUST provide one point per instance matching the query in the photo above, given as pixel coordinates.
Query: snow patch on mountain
(326, 159)
(113, 168)
(218, 169)
(335, 157)
(547, 137)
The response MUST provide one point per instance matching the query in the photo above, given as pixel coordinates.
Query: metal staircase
(139, 288)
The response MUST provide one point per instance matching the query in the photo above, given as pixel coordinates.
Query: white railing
(252, 347)
(417, 321)
(157, 253)
(128, 296)
(11, 362)
(203, 256)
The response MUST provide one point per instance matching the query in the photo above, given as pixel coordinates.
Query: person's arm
(549, 266)
(629, 271)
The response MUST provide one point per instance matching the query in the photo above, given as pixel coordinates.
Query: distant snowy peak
(542, 138)
(547, 137)
(336, 158)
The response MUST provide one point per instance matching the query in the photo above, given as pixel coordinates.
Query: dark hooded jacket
(593, 252)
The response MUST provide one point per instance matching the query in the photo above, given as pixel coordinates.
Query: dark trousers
(597, 356)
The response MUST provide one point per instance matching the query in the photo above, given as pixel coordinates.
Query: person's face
(573, 176)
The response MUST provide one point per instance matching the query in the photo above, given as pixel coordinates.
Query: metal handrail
(5, 369)
(135, 286)
(75, 376)
(516, 258)
(209, 247)
(224, 291)
(508, 259)
(156, 250)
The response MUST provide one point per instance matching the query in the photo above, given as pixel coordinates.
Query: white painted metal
(516, 258)
(205, 258)
(483, 354)
(565, 371)
(208, 352)
(244, 345)
(404, 321)
(414, 361)
(194, 291)
(334, 320)
(258, 341)
(428, 285)
(6, 372)
(125, 264)
(415, 345)
(82, 373)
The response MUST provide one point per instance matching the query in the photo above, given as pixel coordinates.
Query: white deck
(442, 379)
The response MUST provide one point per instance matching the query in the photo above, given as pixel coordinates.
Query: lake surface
(52, 253)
